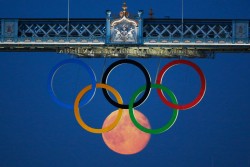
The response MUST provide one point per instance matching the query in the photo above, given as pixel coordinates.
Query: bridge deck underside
(167, 51)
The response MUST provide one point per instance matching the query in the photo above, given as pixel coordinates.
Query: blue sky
(37, 132)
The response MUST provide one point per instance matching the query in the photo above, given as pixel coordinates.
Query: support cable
(182, 18)
(158, 68)
(68, 21)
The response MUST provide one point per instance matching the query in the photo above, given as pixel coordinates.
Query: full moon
(125, 138)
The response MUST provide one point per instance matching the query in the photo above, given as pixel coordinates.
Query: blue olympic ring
(52, 73)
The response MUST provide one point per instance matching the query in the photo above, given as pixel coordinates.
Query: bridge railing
(61, 28)
(51, 30)
(196, 31)
(190, 29)
(155, 31)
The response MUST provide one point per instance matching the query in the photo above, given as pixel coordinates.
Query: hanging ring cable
(158, 68)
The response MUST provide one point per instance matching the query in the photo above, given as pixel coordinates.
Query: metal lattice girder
(61, 28)
(190, 29)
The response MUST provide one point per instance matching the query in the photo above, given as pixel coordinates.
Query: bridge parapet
(196, 31)
(55, 30)
(120, 37)
(154, 31)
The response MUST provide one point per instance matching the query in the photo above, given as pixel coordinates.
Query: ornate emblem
(124, 30)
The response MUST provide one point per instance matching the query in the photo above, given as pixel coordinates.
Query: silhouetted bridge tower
(123, 36)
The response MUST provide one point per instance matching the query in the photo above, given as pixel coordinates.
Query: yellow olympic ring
(77, 112)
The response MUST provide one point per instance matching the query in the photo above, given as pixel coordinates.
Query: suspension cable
(68, 20)
(182, 17)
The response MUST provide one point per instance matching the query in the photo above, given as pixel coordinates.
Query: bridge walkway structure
(123, 36)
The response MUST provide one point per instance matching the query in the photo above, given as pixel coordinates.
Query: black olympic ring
(142, 68)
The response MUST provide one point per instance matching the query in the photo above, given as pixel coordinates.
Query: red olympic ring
(201, 92)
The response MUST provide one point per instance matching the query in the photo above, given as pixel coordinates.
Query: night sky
(35, 131)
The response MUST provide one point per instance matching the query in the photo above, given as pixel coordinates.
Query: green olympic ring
(168, 125)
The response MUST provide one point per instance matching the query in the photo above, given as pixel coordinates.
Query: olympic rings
(141, 67)
(52, 73)
(78, 116)
(132, 104)
(166, 126)
(201, 92)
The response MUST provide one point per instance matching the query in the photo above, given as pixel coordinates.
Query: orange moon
(125, 138)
